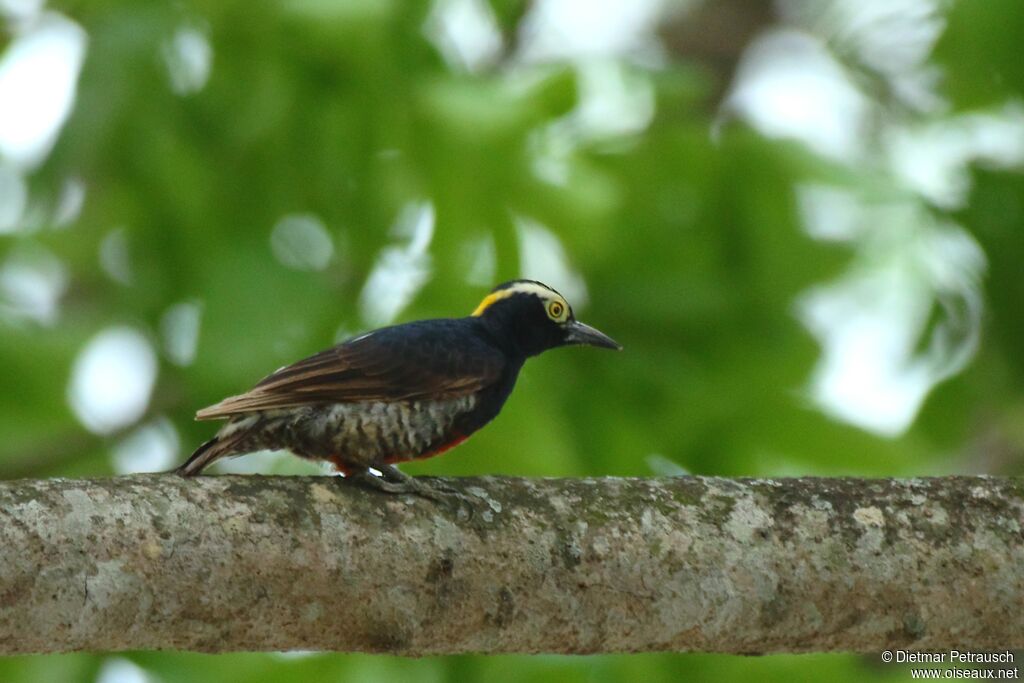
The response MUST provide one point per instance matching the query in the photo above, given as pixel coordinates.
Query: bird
(398, 393)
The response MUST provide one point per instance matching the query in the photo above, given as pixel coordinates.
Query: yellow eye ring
(556, 310)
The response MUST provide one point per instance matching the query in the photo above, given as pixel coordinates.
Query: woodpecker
(398, 393)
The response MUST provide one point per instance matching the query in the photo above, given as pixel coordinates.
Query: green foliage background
(691, 245)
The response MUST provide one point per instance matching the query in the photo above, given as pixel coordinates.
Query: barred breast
(356, 434)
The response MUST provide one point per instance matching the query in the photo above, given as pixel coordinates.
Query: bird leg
(393, 474)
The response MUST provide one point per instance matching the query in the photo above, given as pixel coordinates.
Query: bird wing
(401, 363)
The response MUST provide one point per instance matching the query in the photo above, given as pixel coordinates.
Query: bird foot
(393, 481)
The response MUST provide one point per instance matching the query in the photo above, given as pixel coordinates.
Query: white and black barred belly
(357, 434)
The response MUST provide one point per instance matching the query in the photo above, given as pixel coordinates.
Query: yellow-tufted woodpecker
(398, 393)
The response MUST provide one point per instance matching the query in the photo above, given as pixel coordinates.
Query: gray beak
(578, 333)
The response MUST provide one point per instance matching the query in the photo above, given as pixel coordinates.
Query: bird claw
(441, 491)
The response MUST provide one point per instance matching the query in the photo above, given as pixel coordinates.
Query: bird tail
(230, 440)
(203, 456)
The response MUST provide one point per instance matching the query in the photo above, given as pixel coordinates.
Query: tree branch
(228, 563)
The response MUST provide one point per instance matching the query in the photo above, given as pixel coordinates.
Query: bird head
(530, 317)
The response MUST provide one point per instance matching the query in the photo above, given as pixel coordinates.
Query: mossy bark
(219, 564)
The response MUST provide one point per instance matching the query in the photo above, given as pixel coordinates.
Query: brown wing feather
(377, 367)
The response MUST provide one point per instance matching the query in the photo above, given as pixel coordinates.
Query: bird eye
(555, 310)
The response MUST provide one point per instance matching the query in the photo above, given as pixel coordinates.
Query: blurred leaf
(980, 51)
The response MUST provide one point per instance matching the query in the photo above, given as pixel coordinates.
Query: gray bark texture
(227, 563)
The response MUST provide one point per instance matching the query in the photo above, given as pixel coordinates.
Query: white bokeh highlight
(119, 670)
(934, 158)
(615, 101)
(480, 261)
(189, 59)
(154, 447)
(179, 331)
(465, 32)
(38, 80)
(302, 242)
(112, 379)
(21, 11)
(575, 29)
(401, 270)
(790, 86)
(13, 199)
(880, 358)
(114, 256)
(544, 258)
(69, 203)
(32, 282)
